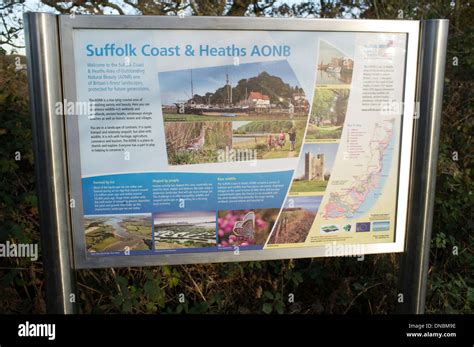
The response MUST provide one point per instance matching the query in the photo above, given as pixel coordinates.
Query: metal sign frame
(51, 79)
(67, 25)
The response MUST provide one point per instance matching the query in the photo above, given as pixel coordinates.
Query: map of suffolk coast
(364, 189)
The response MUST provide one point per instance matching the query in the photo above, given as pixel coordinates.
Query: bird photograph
(196, 142)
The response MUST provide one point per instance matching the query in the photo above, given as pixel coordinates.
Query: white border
(68, 24)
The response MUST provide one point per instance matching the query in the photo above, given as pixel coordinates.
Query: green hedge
(342, 285)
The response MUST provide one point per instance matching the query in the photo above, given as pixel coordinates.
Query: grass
(142, 228)
(297, 229)
(263, 152)
(324, 132)
(262, 149)
(100, 238)
(186, 157)
(251, 143)
(179, 136)
(190, 236)
(308, 186)
(103, 244)
(168, 245)
(320, 285)
(278, 154)
(174, 117)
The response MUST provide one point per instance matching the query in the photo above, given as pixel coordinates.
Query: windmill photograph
(314, 168)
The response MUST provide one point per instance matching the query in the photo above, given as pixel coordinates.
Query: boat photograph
(254, 91)
(335, 67)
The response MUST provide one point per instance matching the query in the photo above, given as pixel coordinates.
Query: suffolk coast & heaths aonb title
(147, 50)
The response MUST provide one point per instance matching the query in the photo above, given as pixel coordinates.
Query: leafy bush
(330, 285)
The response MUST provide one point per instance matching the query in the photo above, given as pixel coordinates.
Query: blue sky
(310, 203)
(37, 6)
(176, 85)
(185, 216)
(327, 51)
(328, 149)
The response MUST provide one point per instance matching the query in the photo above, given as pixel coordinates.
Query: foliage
(333, 285)
(272, 86)
(196, 142)
(21, 288)
(265, 127)
(329, 104)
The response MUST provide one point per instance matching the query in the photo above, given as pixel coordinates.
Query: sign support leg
(415, 262)
(44, 74)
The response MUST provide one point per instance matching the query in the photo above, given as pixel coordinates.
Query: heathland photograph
(185, 229)
(196, 142)
(269, 139)
(334, 66)
(314, 168)
(296, 219)
(328, 113)
(243, 92)
(114, 233)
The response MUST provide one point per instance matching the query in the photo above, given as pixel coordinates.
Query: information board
(222, 139)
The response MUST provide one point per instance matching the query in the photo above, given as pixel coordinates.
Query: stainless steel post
(44, 77)
(415, 262)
